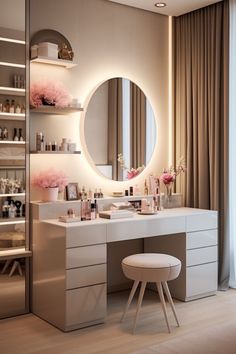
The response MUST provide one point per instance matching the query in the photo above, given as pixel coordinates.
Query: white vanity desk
(70, 260)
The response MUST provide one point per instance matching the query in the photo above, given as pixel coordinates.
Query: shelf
(12, 157)
(11, 221)
(11, 91)
(68, 64)
(16, 253)
(56, 152)
(12, 116)
(12, 195)
(12, 40)
(55, 110)
(11, 142)
(12, 65)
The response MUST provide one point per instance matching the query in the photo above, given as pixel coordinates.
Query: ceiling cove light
(160, 4)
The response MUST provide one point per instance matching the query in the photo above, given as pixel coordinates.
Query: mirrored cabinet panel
(14, 241)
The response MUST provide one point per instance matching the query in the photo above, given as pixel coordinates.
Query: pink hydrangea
(50, 178)
(49, 93)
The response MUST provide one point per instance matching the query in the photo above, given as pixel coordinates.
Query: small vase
(49, 194)
(169, 189)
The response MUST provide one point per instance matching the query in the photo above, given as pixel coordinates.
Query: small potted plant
(50, 182)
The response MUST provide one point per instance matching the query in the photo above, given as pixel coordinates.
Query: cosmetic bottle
(155, 204)
(126, 192)
(12, 210)
(100, 193)
(160, 201)
(131, 191)
(90, 194)
(18, 109)
(15, 135)
(6, 107)
(145, 188)
(88, 210)
(20, 135)
(143, 204)
(83, 210)
(5, 133)
(93, 211)
(12, 106)
(95, 195)
(54, 146)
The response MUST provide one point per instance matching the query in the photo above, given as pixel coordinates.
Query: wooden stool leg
(140, 299)
(167, 291)
(131, 295)
(161, 295)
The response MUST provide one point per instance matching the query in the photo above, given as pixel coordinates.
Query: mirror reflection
(120, 129)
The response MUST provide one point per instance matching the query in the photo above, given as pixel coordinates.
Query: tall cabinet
(14, 239)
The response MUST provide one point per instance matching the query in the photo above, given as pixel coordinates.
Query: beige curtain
(137, 126)
(115, 126)
(201, 114)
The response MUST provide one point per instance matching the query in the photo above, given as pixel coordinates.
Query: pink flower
(167, 177)
(49, 93)
(50, 178)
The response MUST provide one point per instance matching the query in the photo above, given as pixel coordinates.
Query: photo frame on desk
(72, 192)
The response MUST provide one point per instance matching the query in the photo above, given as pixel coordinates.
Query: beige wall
(109, 40)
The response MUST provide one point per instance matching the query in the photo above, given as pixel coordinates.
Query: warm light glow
(170, 103)
(11, 40)
(4, 63)
(160, 4)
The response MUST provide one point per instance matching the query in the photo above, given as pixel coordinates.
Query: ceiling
(173, 8)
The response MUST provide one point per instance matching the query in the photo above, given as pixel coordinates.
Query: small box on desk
(116, 214)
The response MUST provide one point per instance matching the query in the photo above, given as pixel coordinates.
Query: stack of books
(116, 214)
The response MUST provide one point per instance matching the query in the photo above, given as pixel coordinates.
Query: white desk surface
(167, 213)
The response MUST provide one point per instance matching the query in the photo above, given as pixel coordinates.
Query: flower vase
(169, 189)
(49, 194)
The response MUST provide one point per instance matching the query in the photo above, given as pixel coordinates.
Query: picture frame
(72, 192)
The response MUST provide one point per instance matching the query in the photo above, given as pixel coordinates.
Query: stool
(151, 267)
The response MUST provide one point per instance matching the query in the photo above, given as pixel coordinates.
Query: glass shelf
(11, 142)
(11, 91)
(16, 253)
(12, 195)
(12, 116)
(11, 221)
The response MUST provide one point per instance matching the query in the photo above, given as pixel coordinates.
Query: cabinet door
(85, 305)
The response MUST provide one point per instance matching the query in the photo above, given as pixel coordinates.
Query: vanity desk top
(168, 221)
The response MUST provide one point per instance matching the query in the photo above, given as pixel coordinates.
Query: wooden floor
(207, 326)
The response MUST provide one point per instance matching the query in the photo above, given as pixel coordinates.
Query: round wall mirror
(120, 129)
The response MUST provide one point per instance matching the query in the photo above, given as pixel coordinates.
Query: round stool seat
(151, 267)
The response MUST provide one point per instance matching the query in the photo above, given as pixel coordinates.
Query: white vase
(49, 194)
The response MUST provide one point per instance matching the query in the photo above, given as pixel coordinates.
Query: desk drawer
(201, 279)
(204, 221)
(86, 304)
(201, 239)
(201, 255)
(79, 277)
(85, 256)
(85, 235)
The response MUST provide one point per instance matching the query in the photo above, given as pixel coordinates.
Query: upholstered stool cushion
(151, 267)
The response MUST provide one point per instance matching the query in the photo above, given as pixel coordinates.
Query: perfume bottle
(15, 135)
(12, 106)
(5, 133)
(20, 135)
(145, 188)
